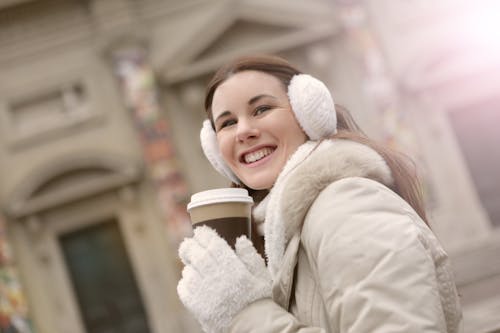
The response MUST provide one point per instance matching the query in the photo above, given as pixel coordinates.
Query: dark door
(103, 280)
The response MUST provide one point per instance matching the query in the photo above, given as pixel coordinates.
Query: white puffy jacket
(347, 254)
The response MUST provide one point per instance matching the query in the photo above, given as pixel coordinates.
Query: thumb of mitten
(251, 259)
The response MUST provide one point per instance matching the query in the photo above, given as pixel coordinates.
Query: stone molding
(83, 174)
(55, 87)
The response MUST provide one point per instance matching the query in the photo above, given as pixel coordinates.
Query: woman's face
(256, 129)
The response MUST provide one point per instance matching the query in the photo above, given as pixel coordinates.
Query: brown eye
(227, 123)
(261, 109)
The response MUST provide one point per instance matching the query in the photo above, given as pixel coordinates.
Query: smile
(257, 155)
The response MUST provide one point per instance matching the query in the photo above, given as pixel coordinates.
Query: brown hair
(406, 183)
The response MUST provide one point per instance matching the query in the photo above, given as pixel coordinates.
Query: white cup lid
(218, 195)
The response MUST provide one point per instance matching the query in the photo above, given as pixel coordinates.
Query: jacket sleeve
(265, 316)
(373, 270)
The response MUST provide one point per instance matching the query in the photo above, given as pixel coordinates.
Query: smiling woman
(319, 183)
(256, 129)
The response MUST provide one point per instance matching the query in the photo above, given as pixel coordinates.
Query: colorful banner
(139, 90)
(14, 316)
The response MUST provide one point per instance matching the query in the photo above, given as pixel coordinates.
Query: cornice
(32, 28)
(10, 3)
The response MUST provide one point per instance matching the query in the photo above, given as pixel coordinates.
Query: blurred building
(101, 102)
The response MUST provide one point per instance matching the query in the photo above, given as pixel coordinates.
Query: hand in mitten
(218, 282)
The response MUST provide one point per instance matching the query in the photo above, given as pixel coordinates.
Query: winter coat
(346, 253)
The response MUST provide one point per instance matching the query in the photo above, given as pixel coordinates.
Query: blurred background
(101, 102)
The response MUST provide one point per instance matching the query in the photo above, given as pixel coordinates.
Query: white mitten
(218, 282)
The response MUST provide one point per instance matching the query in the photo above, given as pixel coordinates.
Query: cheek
(300, 138)
(292, 133)
(295, 139)
(225, 147)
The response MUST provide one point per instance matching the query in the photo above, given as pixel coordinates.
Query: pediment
(70, 178)
(246, 27)
(243, 30)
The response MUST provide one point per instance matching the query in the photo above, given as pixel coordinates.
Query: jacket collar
(310, 169)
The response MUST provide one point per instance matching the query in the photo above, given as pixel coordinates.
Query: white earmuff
(312, 105)
(210, 147)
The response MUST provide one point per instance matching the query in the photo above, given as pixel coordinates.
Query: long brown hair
(406, 183)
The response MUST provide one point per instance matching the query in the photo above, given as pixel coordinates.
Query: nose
(246, 130)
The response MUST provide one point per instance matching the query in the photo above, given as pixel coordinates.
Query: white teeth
(257, 155)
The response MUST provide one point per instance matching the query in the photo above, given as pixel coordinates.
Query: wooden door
(103, 280)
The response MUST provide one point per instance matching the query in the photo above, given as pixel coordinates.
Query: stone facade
(72, 158)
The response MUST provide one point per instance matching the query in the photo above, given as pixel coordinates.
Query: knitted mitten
(218, 282)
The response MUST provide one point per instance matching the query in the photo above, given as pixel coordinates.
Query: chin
(262, 180)
(259, 185)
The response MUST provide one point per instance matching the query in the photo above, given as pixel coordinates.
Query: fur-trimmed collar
(310, 169)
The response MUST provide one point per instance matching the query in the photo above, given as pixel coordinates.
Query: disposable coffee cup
(227, 210)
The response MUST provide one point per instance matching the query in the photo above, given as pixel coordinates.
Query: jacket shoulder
(362, 198)
(363, 211)
(368, 252)
(358, 220)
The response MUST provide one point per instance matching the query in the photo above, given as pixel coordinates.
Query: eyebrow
(256, 98)
(223, 114)
(250, 102)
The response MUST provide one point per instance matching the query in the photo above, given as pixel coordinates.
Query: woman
(346, 240)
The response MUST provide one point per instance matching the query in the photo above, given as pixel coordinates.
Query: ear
(211, 150)
(313, 106)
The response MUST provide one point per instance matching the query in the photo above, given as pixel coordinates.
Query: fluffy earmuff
(210, 147)
(314, 109)
(313, 106)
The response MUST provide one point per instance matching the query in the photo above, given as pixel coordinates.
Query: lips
(256, 155)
